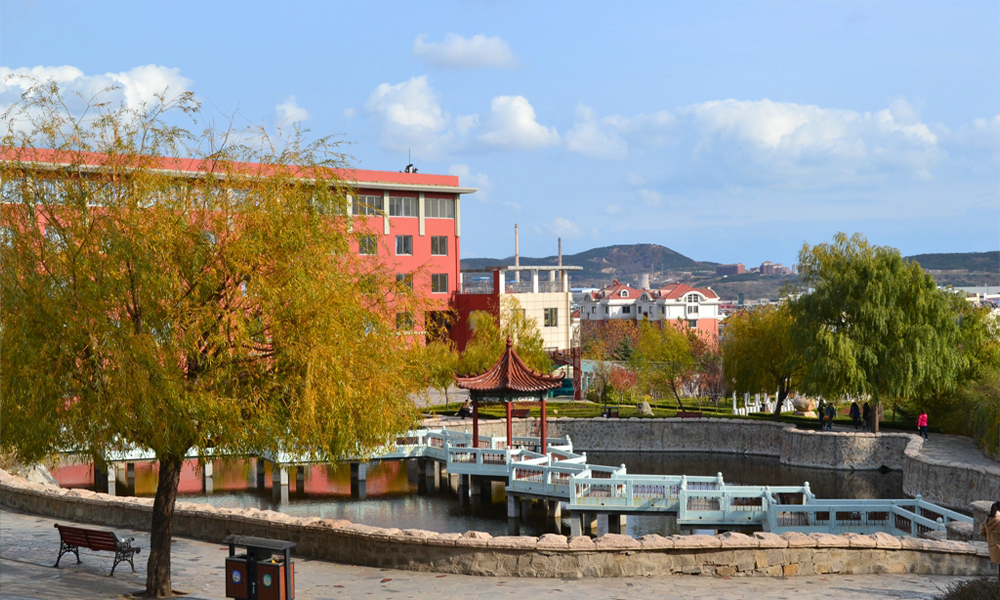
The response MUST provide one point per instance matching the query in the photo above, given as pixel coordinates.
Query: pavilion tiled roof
(509, 374)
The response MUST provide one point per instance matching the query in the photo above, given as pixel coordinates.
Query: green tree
(758, 353)
(874, 324)
(145, 308)
(489, 339)
(661, 358)
(440, 360)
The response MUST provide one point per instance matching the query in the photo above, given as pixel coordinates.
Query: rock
(644, 409)
(803, 403)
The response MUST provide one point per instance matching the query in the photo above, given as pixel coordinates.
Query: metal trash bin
(257, 574)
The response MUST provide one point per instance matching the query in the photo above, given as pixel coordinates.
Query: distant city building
(736, 269)
(675, 303)
(542, 292)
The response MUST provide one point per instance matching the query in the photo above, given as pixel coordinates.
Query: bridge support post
(300, 479)
(526, 504)
(359, 480)
(260, 460)
(432, 473)
(589, 523)
(575, 523)
(617, 523)
(554, 510)
(207, 477)
(485, 491)
(279, 483)
(514, 514)
(601, 526)
(464, 486)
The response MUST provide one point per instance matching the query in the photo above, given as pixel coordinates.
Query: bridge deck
(563, 475)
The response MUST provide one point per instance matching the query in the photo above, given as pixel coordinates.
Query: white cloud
(477, 180)
(409, 113)
(348, 113)
(289, 112)
(595, 138)
(457, 52)
(512, 124)
(560, 227)
(613, 209)
(135, 87)
(650, 197)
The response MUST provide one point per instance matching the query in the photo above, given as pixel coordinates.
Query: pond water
(396, 497)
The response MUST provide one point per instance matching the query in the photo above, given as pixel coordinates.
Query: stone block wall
(551, 555)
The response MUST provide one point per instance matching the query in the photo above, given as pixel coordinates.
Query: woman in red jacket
(922, 423)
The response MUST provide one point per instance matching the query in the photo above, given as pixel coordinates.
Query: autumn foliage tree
(489, 338)
(149, 307)
(758, 353)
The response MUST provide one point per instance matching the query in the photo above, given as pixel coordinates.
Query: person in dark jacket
(855, 415)
(831, 412)
(866, 414)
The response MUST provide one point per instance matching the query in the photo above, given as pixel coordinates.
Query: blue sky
(727, 131)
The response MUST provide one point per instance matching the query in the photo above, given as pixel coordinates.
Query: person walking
(922, 423)
(991, 529)
(831, 412)
(855, 414)
(866, 414)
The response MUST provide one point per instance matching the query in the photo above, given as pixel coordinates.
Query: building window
(593, 309)
(623, 294)
(439, 208)
(692, 309)
(404, 245)
(401, 206)
(551, 317)
(367, 205)
(405, 280)
(404, 321)
(692, 298)
(367, 244)
(439, 245)
(692, 324)
(627, 310)
(439, 283)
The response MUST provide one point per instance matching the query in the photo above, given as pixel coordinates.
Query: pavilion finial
(510, 342)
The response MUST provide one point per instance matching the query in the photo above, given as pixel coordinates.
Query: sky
(726, 131)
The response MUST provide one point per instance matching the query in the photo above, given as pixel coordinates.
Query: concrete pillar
(260, 472)
(279, 483)
(464, 487)
(575, 524)
(602, 524)
(359, 480)
(486, 491)
(617, 523)
(589, 523)
(553, 520)
(526, 504)
(300, 479)
(207, 477)
(411, 470)
(514, 507)
(432, 473)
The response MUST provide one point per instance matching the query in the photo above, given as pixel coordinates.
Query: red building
(415, 223)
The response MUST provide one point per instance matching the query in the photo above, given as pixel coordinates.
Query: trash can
(257, 574)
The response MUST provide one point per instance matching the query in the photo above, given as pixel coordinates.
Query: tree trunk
(782, 394)
(875, 425)
(158, 566)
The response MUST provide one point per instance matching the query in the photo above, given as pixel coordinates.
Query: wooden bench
(610, 413)
(519, 413)
(689, 415)
(71, 539)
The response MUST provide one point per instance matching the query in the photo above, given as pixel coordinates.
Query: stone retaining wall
(552, 555)
(952, 485)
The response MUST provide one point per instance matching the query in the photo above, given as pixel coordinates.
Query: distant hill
(602, 265)
(959, 261)
(626, 262)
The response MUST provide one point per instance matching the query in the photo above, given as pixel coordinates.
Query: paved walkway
(29, 545)
(950, 448)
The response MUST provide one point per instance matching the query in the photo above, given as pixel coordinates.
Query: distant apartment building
(732, 269)
(542, 293)
(677, 304)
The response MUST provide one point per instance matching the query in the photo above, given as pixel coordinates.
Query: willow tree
(873, 325)
(758, 353)
(661, 359)
(489, 338)
(163, 290)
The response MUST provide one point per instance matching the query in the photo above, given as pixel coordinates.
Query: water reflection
(396, 496)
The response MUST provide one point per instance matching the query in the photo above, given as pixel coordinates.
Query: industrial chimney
(644, 281)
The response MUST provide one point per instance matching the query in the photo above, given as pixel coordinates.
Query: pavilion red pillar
(510, 426)
(542, 426)
(475, 423)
